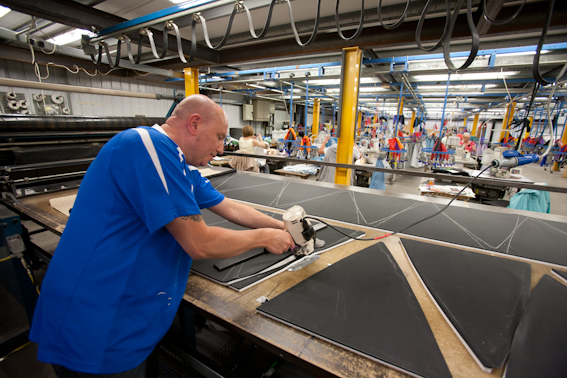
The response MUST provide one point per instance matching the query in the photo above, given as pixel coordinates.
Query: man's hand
(280, 241)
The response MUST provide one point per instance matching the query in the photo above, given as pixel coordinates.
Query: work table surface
(237, 310)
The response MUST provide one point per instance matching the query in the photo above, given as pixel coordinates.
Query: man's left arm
(244, 215)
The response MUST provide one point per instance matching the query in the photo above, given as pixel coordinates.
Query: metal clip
(197, 17)
(144, 31)
(239, 6)
(169, 24)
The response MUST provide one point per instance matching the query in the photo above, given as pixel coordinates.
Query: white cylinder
(13, 104)
(57, 99)
(11, 96)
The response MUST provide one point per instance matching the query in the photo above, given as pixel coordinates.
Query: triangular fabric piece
(540, 344)
(365, 304)
(482, 296)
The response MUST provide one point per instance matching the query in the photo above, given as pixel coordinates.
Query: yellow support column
(412, 122)
(465, 124)
(191, 81)
(563, 138)
(475, 124)
(359, 123)
(315, 127)
(508, 118)
(350, 80)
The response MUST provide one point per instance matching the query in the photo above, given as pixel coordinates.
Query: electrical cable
(474, 34)
(315, 27)
(411, 225)
(395, 24)
(360, 23)
(501, 22)
(535, 67)
(420, 27)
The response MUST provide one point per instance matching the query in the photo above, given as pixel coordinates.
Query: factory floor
(23, 363)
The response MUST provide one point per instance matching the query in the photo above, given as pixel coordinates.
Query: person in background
(328, 173)
(249, 141)
(468, 144)
(121, 267)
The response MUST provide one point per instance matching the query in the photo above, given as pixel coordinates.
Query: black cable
(411, 225)
(474, 34)
(420, 27)
(535, 67)
(395, 24)
(501, 22)
(360, 23)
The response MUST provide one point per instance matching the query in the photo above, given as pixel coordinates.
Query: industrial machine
(510, 159)
(300, 229)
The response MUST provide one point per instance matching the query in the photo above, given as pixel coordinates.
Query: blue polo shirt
(118, 276)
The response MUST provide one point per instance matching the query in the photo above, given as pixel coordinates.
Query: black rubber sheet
(539, 348)
(242, 275)
(512, 234)
(364, 303)
(482, 296)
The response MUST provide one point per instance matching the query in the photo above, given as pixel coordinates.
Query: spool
(66, 111)
(23, 104)
(38, 97)
(11, 96)
(25, 112)
(57, 99)
(13, 104)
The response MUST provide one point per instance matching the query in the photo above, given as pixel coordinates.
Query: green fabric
(531, 200)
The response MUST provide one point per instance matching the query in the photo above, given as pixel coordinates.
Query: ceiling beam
(80, 16)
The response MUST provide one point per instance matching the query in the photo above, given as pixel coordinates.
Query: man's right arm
(201, 241)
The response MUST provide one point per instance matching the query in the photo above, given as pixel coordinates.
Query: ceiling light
(523, 53)
(469, 76)
(257, 86)
(70, 36)
(463, 87)
(3, 10)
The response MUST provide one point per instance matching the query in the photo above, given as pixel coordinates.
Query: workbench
(237, 310)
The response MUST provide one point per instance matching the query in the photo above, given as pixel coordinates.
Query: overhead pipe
(71, 88)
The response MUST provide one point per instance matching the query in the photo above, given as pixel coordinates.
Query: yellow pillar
(191, 81)
(412, 122)
(350, 80)
(508, 118)
(401, 107)
(475, 124)
(465, 124)
(563, 138)
(359, 123)
(315, 127)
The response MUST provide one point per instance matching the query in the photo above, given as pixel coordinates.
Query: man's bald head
(198, 104)
(198, 125)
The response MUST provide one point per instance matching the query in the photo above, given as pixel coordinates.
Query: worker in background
(328, 173)
(249, 141)
(468, 144)
(121, 267)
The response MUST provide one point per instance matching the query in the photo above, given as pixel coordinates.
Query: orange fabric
(395, 144)
(290, 135)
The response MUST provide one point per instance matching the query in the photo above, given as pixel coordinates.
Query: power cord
(411, 225)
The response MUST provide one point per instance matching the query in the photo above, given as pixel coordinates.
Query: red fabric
(442, 148)
(395, 144)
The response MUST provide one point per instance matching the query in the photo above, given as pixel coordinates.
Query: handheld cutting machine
(300, 229)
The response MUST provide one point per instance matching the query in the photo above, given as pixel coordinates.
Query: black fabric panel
(483, 296)
(331, 238)
(364, 303)
(539, 348)
(206, 267)
(513, 234)
(232, 261)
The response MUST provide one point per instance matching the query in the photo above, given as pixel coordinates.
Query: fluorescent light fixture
(468, 76)
(277, 91)
(3, 10)
(522, 53)
(464, 87)
(70, 36)
(363, 80)
(361, 89)
(257, 86)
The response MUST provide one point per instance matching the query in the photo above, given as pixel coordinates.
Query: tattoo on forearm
(194, 218)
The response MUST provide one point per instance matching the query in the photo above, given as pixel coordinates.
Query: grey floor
(24, 363)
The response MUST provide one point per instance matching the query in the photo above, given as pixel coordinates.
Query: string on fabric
(411, 225)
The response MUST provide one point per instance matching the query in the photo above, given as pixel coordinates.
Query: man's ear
(194, 124)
